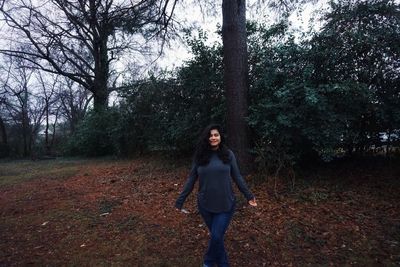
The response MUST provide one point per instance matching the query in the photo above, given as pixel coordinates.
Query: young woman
(215, 166)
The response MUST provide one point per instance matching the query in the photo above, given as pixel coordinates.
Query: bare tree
(80, 39)
(74, 103)
(48, 94)
(29, 101)
(17, 99)
(4, 151)
(3, 132)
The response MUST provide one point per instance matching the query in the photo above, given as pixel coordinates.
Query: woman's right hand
(252, 202)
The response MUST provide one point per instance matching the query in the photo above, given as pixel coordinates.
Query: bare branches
(285, 7)
(79, 39)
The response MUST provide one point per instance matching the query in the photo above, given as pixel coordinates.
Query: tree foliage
(93, 137)
(325, 95)
(170, 110)
(360, 44)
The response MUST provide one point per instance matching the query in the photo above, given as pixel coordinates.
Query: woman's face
(215, 139)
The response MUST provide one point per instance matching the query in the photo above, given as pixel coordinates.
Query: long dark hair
(203, 151)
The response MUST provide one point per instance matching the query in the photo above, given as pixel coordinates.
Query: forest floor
(121, 213)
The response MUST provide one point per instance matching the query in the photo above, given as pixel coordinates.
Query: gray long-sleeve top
(215, 184)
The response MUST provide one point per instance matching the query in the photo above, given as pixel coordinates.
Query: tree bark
(4, 152)
(46, 132)
(101, 32)
(25, 122)
(234, 39)
(3, 132)
(101, 69)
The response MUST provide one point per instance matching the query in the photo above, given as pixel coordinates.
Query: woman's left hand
(252, 202)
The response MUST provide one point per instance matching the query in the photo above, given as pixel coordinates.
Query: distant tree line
(333, 93)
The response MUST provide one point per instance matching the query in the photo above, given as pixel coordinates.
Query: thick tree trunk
(101, 63)
(234, 39)
(100, 90)
(100, 98)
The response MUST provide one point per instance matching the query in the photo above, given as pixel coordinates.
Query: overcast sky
(178, 52)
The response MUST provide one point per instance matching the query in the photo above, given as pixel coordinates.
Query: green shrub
(93, 136)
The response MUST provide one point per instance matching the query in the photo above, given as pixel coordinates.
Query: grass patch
(24, 170)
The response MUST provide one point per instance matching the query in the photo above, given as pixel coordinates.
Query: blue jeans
(217, 224)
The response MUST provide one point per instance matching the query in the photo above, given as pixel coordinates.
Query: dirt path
(121, 213)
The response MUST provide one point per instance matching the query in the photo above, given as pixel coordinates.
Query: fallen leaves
(122, 213)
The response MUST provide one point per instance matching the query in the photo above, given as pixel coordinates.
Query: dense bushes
(330, 95)
(94, 135)
(168, 111)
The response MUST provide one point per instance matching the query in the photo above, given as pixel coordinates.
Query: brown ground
(121, 213)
